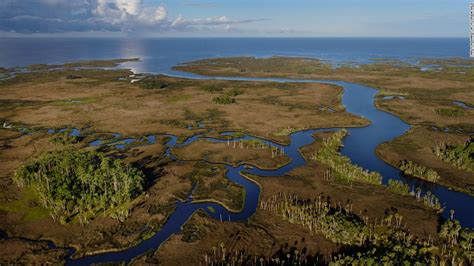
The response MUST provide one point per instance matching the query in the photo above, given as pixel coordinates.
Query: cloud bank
(59, 16)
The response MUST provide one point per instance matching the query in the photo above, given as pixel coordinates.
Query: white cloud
(180, 22)
(118, 11)
(60, 16)
(153, 15)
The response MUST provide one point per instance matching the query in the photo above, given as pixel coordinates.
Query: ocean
(158, 55)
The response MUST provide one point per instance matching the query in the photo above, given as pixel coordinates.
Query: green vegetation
(413, 169)
(192, 232)
(233, 135)
(255, 144)
(398, 187)
(428, 199)
(64, 138)
(212, 89)
(287, 131)
(451, 112)
(318, 216)
(364, 241)
(202, 171)
(234, 92)
(460, 156)
(341, 166)
(265, 65)
(223, 100)
(179, 98)
(342, 169)
(84, 63)
(32, 212)
(398, 247)
(100, 63)
(80, 183)
(153, 84)
(226, 98)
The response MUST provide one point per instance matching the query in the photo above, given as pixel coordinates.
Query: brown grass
(417, 146)
(231, 154)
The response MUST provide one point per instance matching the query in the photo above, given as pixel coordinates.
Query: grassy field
(106, 104)
(262, 156)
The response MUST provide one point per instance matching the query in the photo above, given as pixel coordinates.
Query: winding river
(359, 145)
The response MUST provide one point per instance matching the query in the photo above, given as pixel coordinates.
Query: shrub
(223, 100)
(212, 89)
(398, 187)
(451, 112)
(152, 84)
(234, 92)
(64, 138)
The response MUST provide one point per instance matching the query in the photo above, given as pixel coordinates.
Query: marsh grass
(212, 89)
(450, 112)
(179, 98)
(223, 100)
(26, 205)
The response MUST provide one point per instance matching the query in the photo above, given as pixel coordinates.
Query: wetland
(213, 170)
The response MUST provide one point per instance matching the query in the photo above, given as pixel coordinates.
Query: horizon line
(235, 37)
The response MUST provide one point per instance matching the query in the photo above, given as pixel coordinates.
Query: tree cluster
(398, 187)
(365, 241)
(79, 183)
(413, 169)
(342, 167)
(459, 155)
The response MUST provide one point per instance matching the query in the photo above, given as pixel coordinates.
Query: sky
(220, 18)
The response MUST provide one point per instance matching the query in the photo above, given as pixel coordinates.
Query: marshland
(166, 169)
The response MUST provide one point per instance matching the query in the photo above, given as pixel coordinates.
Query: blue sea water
(158, 55)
